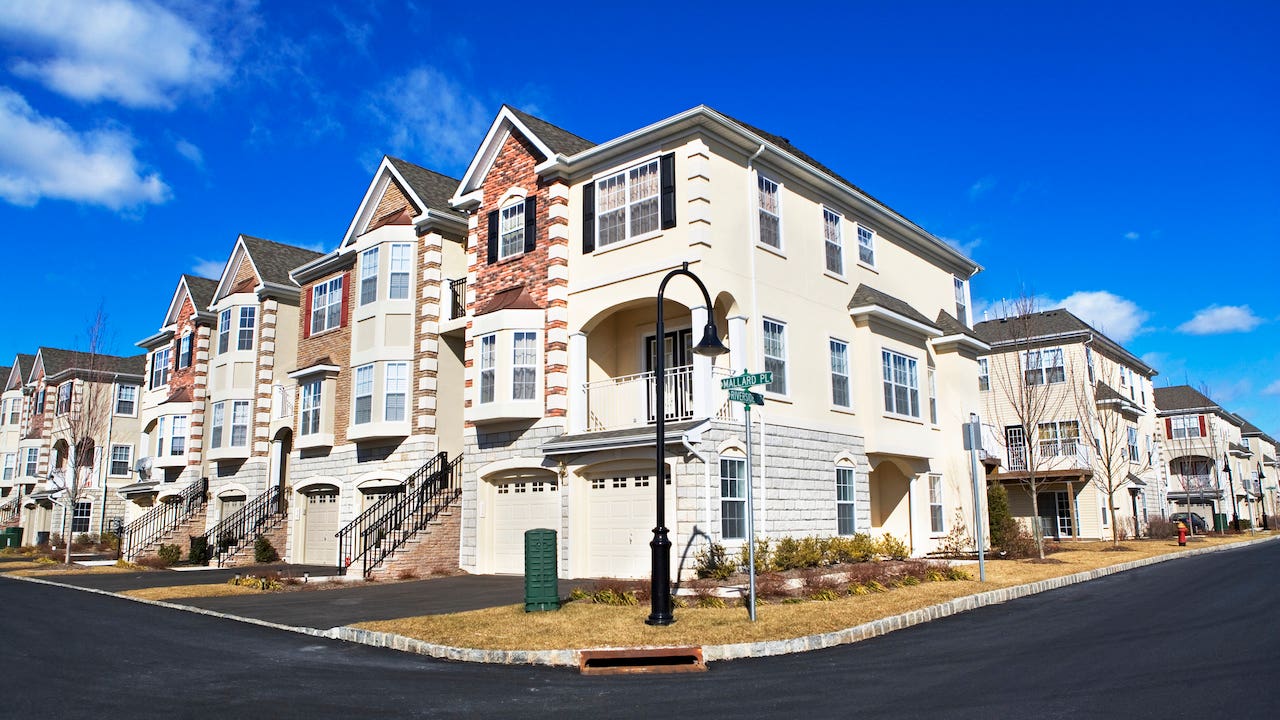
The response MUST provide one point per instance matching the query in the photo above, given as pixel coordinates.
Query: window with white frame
(1186, 426)
(846, 508)
(488, 366)
(933, 396)
(1103, 511)
(10, 465)
(775, 355)
(733, 498)
(626, 204)
(937, 523)
(248, 320)
(1088, 362)
(326, 305)
(1044, 366)
(364, 394)
(80, 517)
(64, 398)
(126, 399)
(839, 372)
(397, 388)
(901, 384)
(217, 415)
(160, 361)
(1059, 438)
(240, 423)
(866, 245)
(767, 198)
(524, 369)
(30, 462)
(178, 435)
(833, 244)
(162, 435)
(511, 229)
(1133, 445)
(984, 375)
(368, 276)
(121, 460)
(399, 282)
(309, 408)
(15, 411)
(962, 301)
(184, 351)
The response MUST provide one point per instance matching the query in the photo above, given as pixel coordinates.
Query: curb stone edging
(710, 653)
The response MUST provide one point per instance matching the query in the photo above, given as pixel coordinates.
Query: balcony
(628, 401)
(457, 298)
(1053, 455)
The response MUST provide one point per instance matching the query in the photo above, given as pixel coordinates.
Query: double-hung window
(933, 396)
(833, 244)
(121, 459)
(770, 212)
(1186, 426)
(511, 229)
(846, 523)
(524, 371)
(184, 352)
(775, 355)
(962, 301)
(309, 408)
(1059, 438)
(218, 414)
(160, 361)
(162, 424)
(984, 374)
(488, 363)
(1088, 361)
(326, 305)
(839, 372)
(364, 394)
(1133, 444)
(30, 461)
(733, 498)
(15, 411)
(224, 331)
(369, 276)
(80, 517)
(397, 388)
(901, 384)
(866, 246)
(936, 524)
(178, 435)
(64, 398)
(399, 283)
(10, 465)
(1044, 366)
(248, 319)
(626, 204)
(240, 423)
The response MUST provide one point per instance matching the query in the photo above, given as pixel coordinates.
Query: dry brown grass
(583, 625)
(179, 592)
(43, 569)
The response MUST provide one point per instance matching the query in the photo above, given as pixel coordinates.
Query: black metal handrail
(351, 545)
(160, 520)
(9, 510)
(436, 488)
(227, 536)
(458, 298)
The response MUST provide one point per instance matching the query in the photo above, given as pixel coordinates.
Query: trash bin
(1220, 522)
(16, 534)
(8, 541)
(541, 587)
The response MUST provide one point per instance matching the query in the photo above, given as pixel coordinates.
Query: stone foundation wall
(434, 550)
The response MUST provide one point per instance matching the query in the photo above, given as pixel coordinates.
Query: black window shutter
(493, 236)
(667, 201)
(530, 224)
(589, 217)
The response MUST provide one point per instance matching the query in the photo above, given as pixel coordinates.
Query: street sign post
(746, 397)
(738, 385)
(746, 380)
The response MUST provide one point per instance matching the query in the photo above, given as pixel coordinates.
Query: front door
(677, 358)
(1055, 515)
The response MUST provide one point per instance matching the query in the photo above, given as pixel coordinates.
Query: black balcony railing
(163, 518)
(457, 298)
(246, 523)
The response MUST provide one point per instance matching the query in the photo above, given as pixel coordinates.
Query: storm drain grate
(641, 660)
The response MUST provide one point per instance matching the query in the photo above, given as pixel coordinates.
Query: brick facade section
(393, 200)
(432, 551)
(278, 534)
(333, 344)
(180, 535)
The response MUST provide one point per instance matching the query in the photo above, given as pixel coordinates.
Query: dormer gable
(544, 141)
(197, 292)
(403, 193)
(262, 267)
(240, 274)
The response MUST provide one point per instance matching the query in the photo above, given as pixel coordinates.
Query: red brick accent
(335, 345)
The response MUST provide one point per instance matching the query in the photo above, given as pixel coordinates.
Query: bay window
(901, 384)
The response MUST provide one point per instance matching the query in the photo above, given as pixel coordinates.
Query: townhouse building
(1202, 444)
(1260, 468)
(1070, 416)
(18, 462)
(860, 314)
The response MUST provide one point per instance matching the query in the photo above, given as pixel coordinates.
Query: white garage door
(320, 544)
(521, 502)
(621, 525)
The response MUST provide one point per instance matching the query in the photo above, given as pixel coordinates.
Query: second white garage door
(521, 502)
(320, 546)
(620, 525)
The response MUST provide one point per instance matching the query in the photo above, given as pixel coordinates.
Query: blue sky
(1117, 157)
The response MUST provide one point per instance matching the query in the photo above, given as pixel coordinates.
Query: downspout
(755, 304)
(706, 475)
(102, 474)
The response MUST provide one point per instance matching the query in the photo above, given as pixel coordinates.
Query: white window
(364, 394)
(326, 305)
(1088, 361)
(64, 398)
(901, 384)
(488, 362)
(369, 276)
(984, 375)
(1059, 438)
(524, 370)
(936, 519)
(1186, 426)
(184, 351)
(775, 355)
(770, 212)
(160, 368)
(309, 408)
(733, 498)
(161, 435)
(839, 372)
(224, 331)
(29, 463)
(866, 245)
(1044, 366)
(397, 387)
(10, 465)
(962, 301)
(217, 415)
(248, 318)
(933, 397)
(1102, 511)
(511, 229)
(240, 423)
(834, 245)
(121, 460)
(627, 204)
(178, 435)
(1133, 445)
(399, 271)
(80, 517)
(846, 509)
(15, 411)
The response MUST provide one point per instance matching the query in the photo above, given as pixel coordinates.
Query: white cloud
(44, 157)
(189, 151)
(1131, 235)
(430, 118)
(981, 187)
(208, 268)
(1221, 319)
(1272, 389)
(1120, 318)
(966, 248)
(133, 52)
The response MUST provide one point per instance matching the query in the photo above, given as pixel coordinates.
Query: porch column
(738, 343)
(577, 382)
(702, 406)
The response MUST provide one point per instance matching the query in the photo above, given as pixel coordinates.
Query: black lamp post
(1262, 498)
(710, 346)
(1235, 507)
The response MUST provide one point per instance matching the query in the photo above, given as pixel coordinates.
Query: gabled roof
(1184, 398)
(270, 260)
(949, 325)
(200, 290)
(1050, 325)
(56, 362)
(548, 141)
(865, 296)
(427, 190)
(1248, 429)
(560, 141)
(432, 189)
(19, 374)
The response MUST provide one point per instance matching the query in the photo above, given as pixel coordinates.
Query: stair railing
(227, 536)
(162, 519)
(434, 487)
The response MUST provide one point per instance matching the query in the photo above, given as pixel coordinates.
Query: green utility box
(541, 586)
(1220, 522)
(11, 537)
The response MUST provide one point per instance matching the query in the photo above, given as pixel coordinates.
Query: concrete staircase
(433, 549)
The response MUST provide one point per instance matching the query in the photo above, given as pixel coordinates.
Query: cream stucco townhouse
(1071, 414)
(18, 455)
(861, 315)
(1259, 468)
(377, 386)
(1203, 446)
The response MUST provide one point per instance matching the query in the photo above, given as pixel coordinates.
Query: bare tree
(1105, 423)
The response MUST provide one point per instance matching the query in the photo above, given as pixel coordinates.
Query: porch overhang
(677, 433)
(1050, 476)
(139, 488)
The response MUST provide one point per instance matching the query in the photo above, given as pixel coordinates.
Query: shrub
(859, 589)
(1161, 529)
(793, 554)
(151, 561)
(935, 576)
(270, 582)
(199, 552)
(957, 541)
(955, 573)
(85, 539)
(815, 580)
(108, 541)
(264, 551)
(712, 562)
(56, 540)
(764, 562)
(407, 574)
(1019, 543)
(772, 586)
(710, 601)
(893, 548)
(169, 554)
(876, 586)
(1003, 526)
(826, 594)
(909, 580)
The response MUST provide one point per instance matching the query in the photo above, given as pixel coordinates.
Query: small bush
(1161, 529)
(1018, 543)
(407, 574)
(796, 554)
(909, 580)
(264, 551)
(85, 539)
(764, 562)
(772, 587)
(151, 561)
(893, 548)
(199, 552)
(876, 586)
(713, 562)
(56, 540)
(957, 542)
(270, 582)
(859, 589)
(710, 601)
(169, 554)
(1003, 526)
(935, 576)
(956, 573)
(108, 541)
(856, 548)
(825, 594)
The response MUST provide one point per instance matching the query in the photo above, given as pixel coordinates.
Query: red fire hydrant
(1182, 535)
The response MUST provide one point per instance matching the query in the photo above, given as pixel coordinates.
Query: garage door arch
(519, 499)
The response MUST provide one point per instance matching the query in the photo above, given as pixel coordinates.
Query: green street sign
(746, 397)
(746, 380)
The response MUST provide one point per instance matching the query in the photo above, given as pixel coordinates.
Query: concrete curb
(710, 653)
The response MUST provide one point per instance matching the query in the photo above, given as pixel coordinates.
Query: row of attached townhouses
(477, 358)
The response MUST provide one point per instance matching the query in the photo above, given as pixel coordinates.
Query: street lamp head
(710, 345)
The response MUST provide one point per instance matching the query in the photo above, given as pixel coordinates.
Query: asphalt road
(1188, 639)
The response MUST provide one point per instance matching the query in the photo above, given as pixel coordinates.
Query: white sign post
(737, 386)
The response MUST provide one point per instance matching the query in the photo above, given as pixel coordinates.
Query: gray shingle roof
(866, 295)
(1183, 397)
(433, 188)
(560, 141)
(201, 289)
(951, 326)
(1049, 323)
(274, 260)
(1103, 392)
(58, 361)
